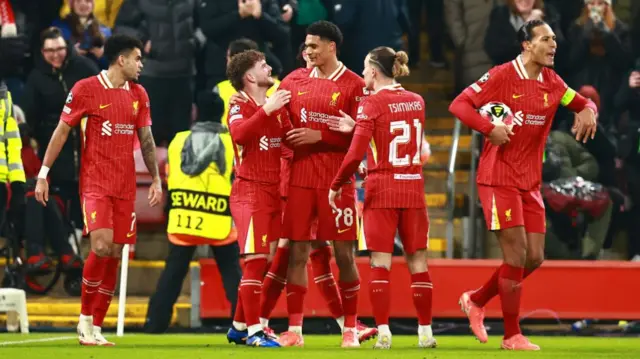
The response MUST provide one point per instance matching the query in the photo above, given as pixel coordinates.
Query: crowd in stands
(47, 46)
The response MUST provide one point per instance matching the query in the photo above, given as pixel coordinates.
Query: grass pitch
(59, 346)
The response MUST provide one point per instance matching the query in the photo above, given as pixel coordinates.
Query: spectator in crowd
(13, 35)
(367, 24)
(57, 69)
(83, 30)
(468, 21)
(435, 31)
(200, 163)
(105, 11)
(566, 158)
(501, 40)
(224, 88)
(171, 44)
(600, 53)
(627, 160)
(259, 20)
(304, 14)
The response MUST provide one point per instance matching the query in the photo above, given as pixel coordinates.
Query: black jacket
(169, 25)
(221, 23)
(44, 96)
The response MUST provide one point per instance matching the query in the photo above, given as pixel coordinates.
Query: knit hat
(210, 106)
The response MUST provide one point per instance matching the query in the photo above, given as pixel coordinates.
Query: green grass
(62, 346)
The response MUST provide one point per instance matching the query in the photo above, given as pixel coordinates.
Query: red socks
(295, 304)
(509, 288)
(251, 289)
(422, 290)
(92, 276)
(483, 295)
(320, 264)
(274, 282)
(239, 315)
(105, 291)
(349, 292)
(380, 295)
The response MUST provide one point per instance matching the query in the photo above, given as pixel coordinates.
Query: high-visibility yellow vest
(225, 90)
(199, 204)
(11, 169)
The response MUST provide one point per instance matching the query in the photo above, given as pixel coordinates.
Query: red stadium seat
(146, 215)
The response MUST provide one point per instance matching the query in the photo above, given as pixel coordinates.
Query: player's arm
(358, 148)
(585, 124)
(465, 109)
(341, 137)
(148, 146)
(245, 129)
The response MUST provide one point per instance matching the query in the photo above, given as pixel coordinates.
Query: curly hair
(239, 64)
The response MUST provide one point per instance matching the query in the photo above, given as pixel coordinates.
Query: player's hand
(362, 171)
(344, 123)
(237, 98)
(303, 136)
(585, 125)
(332, 198)
(277, 101)
(155, 192)
(500, 134)
(42, 191)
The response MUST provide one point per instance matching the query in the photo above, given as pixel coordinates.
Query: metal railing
(472, 245)
(451, 187)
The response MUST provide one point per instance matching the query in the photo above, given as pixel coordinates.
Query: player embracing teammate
(390, 125)
(510, 169)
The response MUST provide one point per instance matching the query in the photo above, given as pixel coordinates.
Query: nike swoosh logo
(349, 296)
(104, 106)
(300, 93)
(343, 230)
(129, 235)
(517, 96)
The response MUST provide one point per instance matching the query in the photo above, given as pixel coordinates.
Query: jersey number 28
(403, 138)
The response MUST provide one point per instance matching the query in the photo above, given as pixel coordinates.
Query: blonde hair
(391, 63)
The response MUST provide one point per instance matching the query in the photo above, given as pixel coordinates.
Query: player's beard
(266, 83)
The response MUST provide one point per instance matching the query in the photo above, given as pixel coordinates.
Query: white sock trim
(239, 326)
(253, 329)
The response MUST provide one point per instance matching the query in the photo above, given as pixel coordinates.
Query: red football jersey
(313, 101)
(257, 140)
(534, 103)
(109, 118)
(390, 122)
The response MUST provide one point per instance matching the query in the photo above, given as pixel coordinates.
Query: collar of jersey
(334, 76)
(104, 80)
(392, 87)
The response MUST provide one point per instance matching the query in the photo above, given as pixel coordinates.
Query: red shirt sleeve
(465, 105)
(144, 113)
(243, 128)
(571, 99)
(76, 105)
(361, 138)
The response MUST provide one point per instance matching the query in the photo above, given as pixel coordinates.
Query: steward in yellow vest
(200, 164)
(11, 169)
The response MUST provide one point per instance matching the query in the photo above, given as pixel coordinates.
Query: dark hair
(301, 62)
(327, 31)
(525, 33)
(210, 106)
(48, 34)
(78, 29)
(239, 65)
(392, 64)
(240, 45)
(119, 45)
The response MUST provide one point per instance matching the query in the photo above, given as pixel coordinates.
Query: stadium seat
(146, 215)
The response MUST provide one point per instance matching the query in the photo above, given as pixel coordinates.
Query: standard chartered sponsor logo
(109, 129)
(106, 128)
(303, 115)
(266, 143)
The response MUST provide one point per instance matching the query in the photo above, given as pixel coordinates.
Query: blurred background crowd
(47, 46)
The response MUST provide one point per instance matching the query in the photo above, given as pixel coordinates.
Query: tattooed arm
(148, 148)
